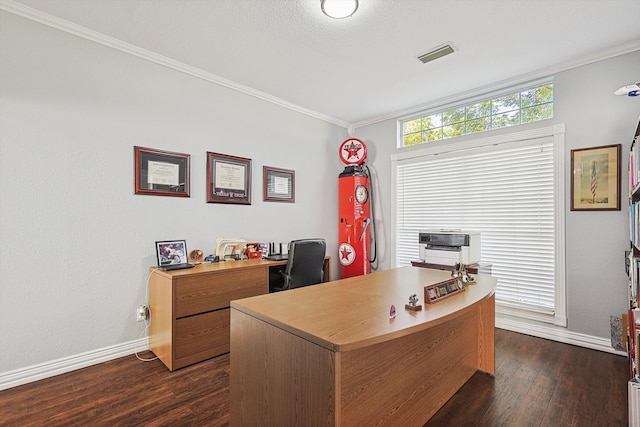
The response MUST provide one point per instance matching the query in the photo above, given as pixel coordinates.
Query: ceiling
(362, 69)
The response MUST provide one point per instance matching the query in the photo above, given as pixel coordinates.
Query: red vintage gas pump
(353, 210)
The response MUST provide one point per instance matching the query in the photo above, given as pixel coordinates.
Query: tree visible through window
(526, 106)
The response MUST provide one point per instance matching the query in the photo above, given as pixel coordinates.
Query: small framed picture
(595, 181)
(228, 179)
(161, 173)
(279, 185)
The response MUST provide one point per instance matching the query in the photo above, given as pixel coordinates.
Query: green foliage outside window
(529, 105)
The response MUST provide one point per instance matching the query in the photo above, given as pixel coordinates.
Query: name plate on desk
(441, 290)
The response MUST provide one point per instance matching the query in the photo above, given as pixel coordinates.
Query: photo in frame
(228, 179)
(161, 173)
(279, 184)
(595, 181)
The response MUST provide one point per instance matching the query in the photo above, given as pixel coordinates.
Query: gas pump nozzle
(364, 230)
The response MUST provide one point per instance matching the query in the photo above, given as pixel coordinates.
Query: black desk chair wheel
(305, 264)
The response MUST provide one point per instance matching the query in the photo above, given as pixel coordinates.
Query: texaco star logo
(353, 151)
(347, 254)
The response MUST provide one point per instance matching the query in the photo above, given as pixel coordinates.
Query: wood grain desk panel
(189, 309)
(195, 295)
(364, 365)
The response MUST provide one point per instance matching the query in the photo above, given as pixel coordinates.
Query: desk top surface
(207, 267)
(352, 313)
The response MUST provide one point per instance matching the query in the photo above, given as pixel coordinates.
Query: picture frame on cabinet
(279, 184)
(595, 180)
(161, 173)
(228, 179)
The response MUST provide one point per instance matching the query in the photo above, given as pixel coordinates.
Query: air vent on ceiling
(436, 53)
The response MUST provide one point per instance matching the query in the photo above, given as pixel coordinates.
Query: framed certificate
(161, 173)
(228, 179)
(279, 185)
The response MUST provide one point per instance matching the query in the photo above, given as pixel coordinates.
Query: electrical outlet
(142, 313)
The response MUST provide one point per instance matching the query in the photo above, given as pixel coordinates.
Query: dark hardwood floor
(537, 383)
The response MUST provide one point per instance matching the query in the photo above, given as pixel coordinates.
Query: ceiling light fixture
(339, 9)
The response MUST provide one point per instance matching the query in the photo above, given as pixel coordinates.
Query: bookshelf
(632, 261)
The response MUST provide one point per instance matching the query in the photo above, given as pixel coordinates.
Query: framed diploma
(228, 179)
(279, 185)
(161, 173)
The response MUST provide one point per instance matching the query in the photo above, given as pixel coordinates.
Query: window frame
(556, 132)
(465, 104)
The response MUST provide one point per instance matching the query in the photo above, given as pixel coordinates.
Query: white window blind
(507, 192)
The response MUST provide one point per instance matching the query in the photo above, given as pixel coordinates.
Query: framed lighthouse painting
(595, 181)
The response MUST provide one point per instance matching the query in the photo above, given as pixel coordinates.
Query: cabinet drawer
(202, 336)
(205, 292)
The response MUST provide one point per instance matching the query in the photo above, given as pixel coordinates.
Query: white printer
(447, 247)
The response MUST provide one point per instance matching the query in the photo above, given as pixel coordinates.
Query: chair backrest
(305, 264)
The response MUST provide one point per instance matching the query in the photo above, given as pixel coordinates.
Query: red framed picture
(228, 179)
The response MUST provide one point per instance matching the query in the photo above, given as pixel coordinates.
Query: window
(528, 105)
(510, 188)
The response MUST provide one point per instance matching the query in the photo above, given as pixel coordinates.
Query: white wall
(76, 243)
(596, 241)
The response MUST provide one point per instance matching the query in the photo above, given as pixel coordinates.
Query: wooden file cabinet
(189, 309)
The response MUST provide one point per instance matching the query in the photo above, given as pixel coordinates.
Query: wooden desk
(330, 355)
(189, 309)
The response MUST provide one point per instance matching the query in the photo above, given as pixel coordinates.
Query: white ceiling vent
(436, 53)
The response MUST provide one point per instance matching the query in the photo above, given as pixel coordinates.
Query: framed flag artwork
(595, 180)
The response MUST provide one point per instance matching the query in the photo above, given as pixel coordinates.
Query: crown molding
(105, 40)
(540, 74)
(19, 9)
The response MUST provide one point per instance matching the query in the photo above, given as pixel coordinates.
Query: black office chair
(305, 264)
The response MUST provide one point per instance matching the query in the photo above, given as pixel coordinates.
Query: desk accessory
(254, 254)
(392, 312)
(230, 247)
(441, 290)
(460, 271)
(196, 256)
(251, 250)
(172, 255)
(413, 303)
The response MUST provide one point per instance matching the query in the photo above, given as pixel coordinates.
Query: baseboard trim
(67, 364)
(555, 333)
